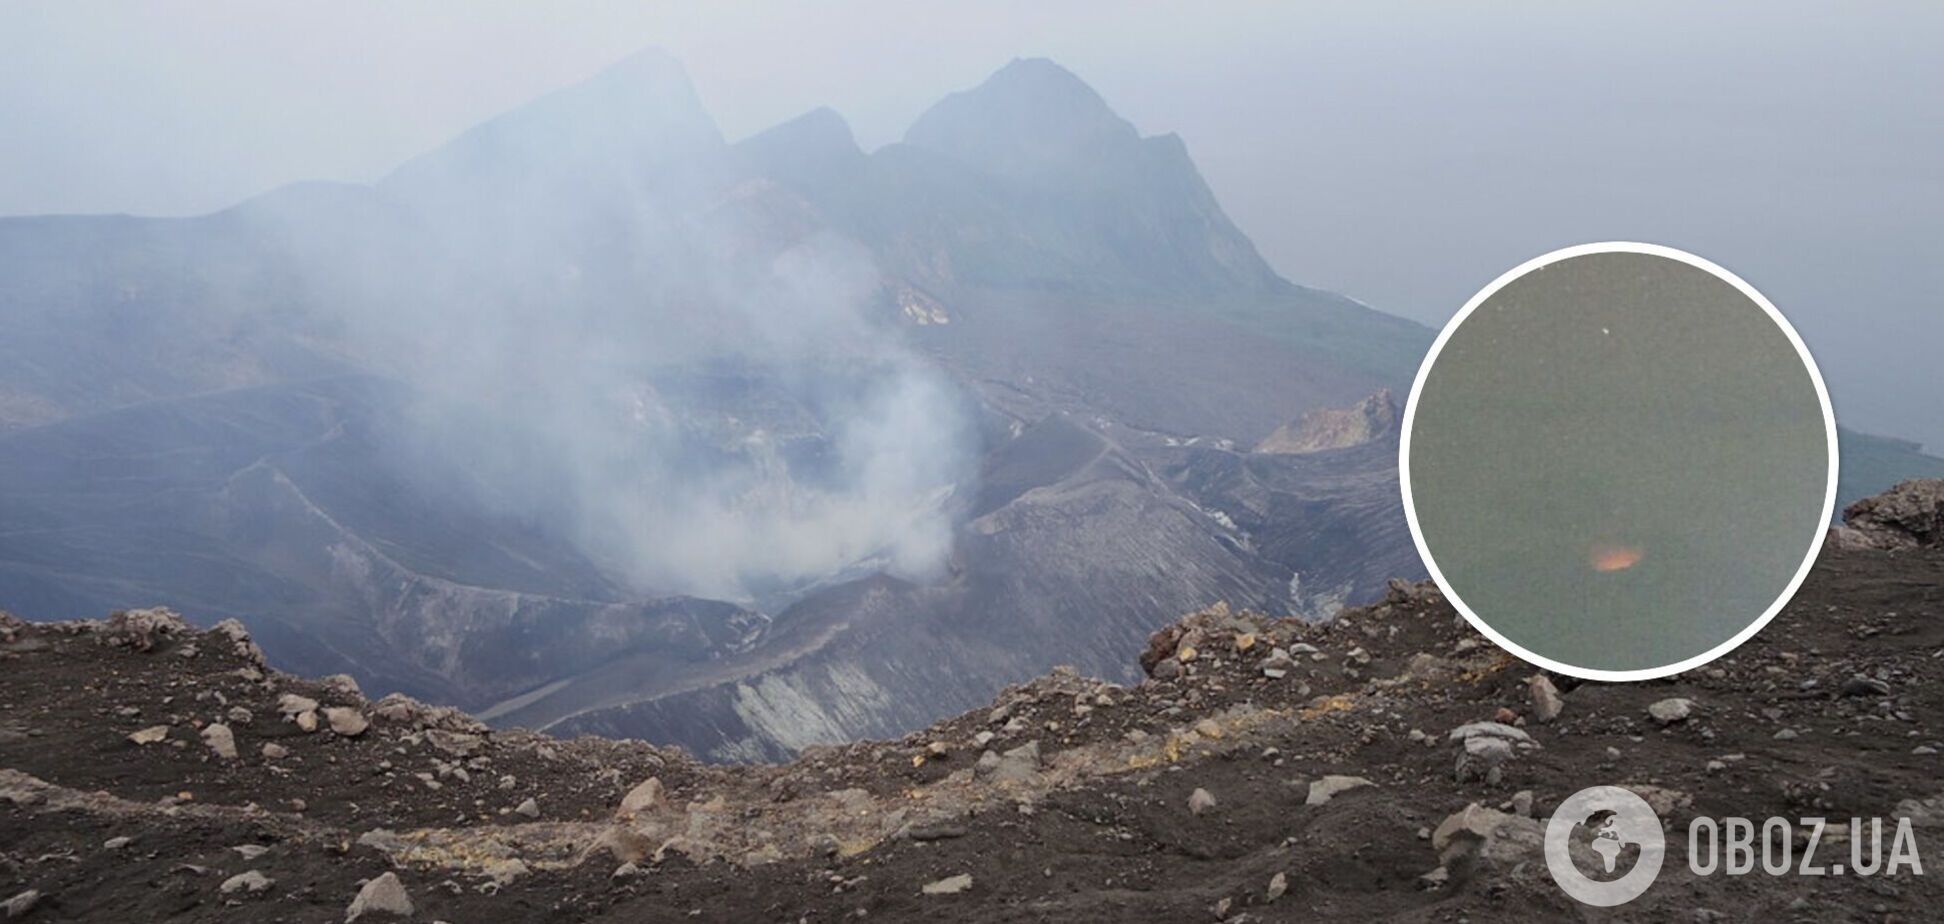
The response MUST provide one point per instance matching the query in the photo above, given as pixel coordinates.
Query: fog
(1403, 153)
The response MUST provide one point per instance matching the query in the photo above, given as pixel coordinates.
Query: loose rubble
(1908, 516)
(1390, 764)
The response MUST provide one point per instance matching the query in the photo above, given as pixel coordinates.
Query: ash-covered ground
(1392, 764)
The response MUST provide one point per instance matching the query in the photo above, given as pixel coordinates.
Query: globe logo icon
(1609, 823)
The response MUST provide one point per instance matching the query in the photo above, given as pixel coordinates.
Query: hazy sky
(1405, 153)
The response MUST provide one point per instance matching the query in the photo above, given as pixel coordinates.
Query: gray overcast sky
(1403, 153)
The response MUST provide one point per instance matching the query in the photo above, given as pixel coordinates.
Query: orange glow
(1606, 557)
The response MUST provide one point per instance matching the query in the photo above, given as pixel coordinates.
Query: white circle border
(1410, 416)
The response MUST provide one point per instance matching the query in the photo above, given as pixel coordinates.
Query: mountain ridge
(437, 430)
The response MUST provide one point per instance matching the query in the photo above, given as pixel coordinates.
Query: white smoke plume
(615, 335)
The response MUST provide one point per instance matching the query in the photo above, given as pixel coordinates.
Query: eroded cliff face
(1908, 516)
(1070, 518)
(1371, 419)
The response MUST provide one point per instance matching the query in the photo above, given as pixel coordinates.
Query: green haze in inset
(1615, 408)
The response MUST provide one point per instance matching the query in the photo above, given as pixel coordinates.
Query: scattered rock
(1478, 834)
(117, 843)
(240, 641)
(1512, 734)
(221, 740)
(1356, 725)
(950, 885)
(1860, 685)
(250, 882)
(646, 795)
(1546, 701)
(150, 735)
(381, 895)
(504, 871)
(1671, 710)
(1923, 813)
(1398, 591)
(987, 764)
(19, 905)
(1484, 748)
(400, 709)
(143, 629)
(457, 744)
(381, 839)
(346, 722)
(1482, 758)
(1019, 765)
(1329, 787)
(1665, 802)
(290, 704)
(935, 830)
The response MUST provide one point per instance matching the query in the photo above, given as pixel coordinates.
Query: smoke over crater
(614, 335)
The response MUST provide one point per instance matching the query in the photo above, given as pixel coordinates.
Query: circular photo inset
(1618, 461)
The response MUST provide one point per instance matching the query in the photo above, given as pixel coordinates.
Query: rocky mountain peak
(1029, 118)
(638, 115)
(1336, 428)
(1092, 204)
(810, 148)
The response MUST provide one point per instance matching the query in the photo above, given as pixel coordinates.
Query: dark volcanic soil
(1832, 711)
